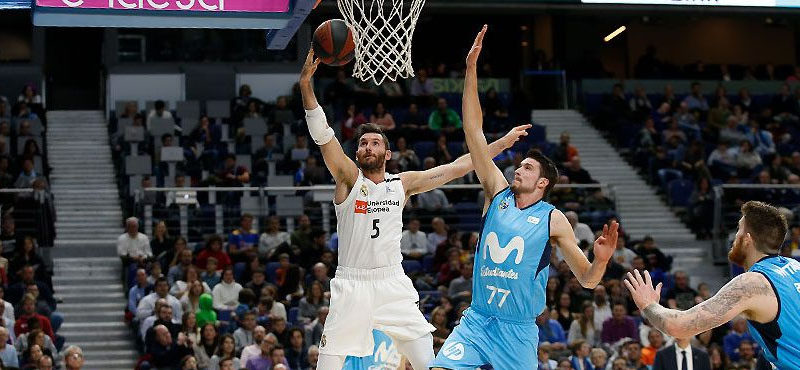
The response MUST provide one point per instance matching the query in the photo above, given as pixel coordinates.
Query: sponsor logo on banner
(361, 207)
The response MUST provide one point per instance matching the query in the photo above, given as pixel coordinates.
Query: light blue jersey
(511, 260)
(508, 290)
(780, 338)
(385, 356)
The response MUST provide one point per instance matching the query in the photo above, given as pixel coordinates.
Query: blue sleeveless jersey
(512, 259)
(384, 357)
(780, 338)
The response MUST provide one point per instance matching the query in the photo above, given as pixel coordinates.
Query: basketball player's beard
(372, 166)
(737, 254)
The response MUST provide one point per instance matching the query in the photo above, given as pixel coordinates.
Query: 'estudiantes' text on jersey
(512, 259)
(780, 338)
(370, 223)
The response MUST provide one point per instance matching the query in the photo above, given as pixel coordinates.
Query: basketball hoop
(382, 31)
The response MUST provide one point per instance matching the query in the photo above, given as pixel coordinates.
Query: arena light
(614, 34)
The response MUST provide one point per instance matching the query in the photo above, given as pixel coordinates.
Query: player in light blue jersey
(384, 356)
(513, 254)
(767, 294)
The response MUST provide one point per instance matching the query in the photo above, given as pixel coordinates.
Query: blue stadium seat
(679, 192)
(424, 148)
(272, 267)
(292, 315)
(412, 266)
(427, 263)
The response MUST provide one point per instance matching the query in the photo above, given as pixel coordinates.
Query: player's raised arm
(490, 176)
(750, 294)
(588, 274)
(415, 182)
(342, 168)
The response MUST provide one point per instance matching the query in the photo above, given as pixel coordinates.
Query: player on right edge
(513, 255)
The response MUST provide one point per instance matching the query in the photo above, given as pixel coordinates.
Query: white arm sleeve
(318, 126)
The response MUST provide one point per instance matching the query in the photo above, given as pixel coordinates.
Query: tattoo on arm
(714, 312)
(437, 176)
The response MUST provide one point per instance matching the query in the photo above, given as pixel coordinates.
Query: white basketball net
(382, 32)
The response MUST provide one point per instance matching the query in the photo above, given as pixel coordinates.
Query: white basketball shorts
(362, 300)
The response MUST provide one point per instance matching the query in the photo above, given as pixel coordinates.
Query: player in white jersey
(370, 290)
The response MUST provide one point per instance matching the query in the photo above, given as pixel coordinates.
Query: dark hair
(316, 233)
(547, 169)
(213, 239)
(160, 280)
(275, 348)
(246, 216)
(160, 104)
(292, 330)
(695, 83)
(371, 128)
(247, 296)
(766, 225)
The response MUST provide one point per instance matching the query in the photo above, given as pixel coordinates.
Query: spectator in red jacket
(214, 249)
(28, 311)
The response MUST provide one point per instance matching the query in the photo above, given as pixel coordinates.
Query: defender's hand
(514, 135)
(641, 289)
(309, 67)
(605, 245)
(475, 52)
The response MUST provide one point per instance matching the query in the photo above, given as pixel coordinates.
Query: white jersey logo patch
(500, 255)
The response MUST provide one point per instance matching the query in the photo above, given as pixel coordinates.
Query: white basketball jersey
(370, 223)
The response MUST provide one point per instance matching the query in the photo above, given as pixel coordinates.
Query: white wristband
(318, 127)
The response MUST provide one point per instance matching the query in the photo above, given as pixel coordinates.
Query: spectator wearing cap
(7, 352)
(213, 249)
(226, 293)
(132, 246)
(161, 291)
(618, 326)
(243, 242)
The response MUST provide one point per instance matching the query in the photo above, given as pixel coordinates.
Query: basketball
(333, 43)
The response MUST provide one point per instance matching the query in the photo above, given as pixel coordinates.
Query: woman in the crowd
(583, 328)
(226, 349)
(439, 321)
(207, 346)
(181, 287)
(312, 302)
(191, 301)
(161, 242)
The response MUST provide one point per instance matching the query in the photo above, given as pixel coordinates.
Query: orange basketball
(333, 43)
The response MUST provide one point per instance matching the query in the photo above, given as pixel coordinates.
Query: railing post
(326, 216)
(718, 233)
(184, 213)
(218, 225)
(148, 219)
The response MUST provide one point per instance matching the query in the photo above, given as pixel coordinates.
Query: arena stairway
(642, 212)
(89, 219)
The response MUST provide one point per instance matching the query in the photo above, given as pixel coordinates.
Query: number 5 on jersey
(376, 230)
(495, 290)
